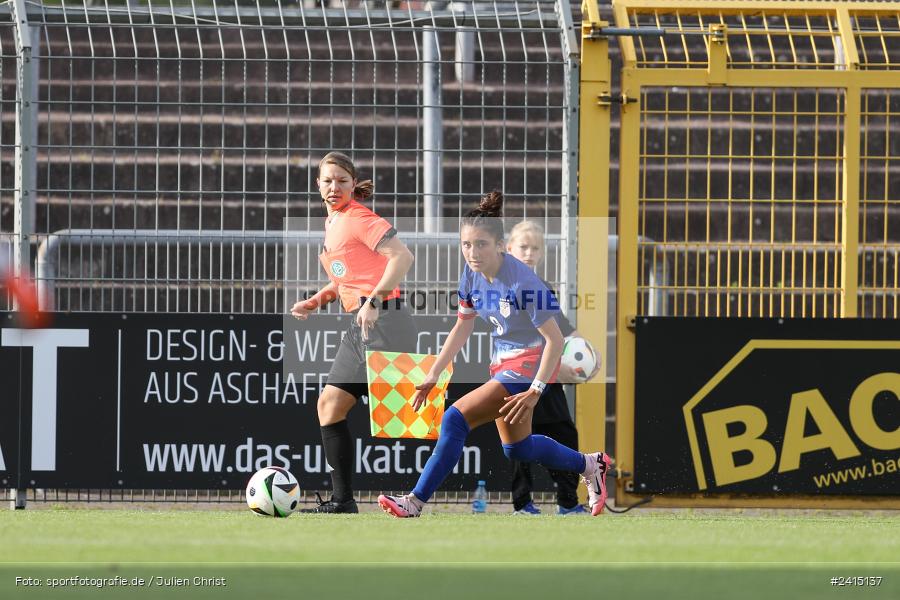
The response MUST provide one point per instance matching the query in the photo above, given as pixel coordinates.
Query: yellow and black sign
(767, 406)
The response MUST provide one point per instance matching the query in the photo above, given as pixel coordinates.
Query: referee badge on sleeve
(338, 268)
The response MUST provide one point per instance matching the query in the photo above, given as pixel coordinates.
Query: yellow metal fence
(759, 167)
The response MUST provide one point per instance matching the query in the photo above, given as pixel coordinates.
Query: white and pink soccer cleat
(402, 507)
(594, 476)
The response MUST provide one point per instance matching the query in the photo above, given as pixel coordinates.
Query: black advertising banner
(767, 406)
(202, 401)
(10, 399)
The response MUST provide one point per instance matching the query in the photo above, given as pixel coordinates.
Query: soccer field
(644, 555)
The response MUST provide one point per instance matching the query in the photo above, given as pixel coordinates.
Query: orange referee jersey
(349, 256)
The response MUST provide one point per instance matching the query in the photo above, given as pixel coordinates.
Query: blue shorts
(513, 381)
(517, 373)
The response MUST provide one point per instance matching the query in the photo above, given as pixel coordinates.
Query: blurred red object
(25, 294)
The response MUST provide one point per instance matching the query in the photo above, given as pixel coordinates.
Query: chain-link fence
(171, 140)
(154, 151)
(757, 197)
(757, 170)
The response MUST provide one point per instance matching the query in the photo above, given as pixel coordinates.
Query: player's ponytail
(487, 215)
(364, 189)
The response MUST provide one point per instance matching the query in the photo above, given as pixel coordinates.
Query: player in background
(551, 414)
(527, 344)
(365, 261)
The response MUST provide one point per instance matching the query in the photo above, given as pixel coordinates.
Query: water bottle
(479, 504)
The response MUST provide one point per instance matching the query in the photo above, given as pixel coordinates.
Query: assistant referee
(365, 261)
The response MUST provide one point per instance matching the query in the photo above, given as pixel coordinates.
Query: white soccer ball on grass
(273, 492)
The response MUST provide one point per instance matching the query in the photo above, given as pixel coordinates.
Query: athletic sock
(590, 464)
(548, 452)
(339, 453)
(454, 431)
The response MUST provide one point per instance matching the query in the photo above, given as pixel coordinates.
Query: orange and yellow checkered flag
(393, 377)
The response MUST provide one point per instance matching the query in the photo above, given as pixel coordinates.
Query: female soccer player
(551, 414)
(527, 345)
(365, 261)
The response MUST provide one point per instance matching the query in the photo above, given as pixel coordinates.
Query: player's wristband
(538, 386)
(370, 300)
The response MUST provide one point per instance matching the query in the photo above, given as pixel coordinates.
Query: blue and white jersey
(514, 304)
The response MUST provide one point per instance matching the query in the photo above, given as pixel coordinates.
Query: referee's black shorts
(394, 331)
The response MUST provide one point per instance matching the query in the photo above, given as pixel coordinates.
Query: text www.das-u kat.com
(248, 457)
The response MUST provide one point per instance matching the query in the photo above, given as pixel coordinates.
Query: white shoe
(402, 507)
(594, 476)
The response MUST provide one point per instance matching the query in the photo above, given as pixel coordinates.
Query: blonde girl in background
(551, 415)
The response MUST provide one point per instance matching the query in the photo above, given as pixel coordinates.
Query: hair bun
(487, 216)
(491, 204)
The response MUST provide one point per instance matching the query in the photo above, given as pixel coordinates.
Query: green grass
(643, 554)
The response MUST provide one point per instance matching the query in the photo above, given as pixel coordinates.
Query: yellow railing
(759, 167)
(593, 213)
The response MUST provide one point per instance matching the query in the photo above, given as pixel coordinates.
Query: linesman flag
(393, 377)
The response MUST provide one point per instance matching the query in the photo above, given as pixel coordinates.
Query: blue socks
(548, 452)
(447, 452)
(455, 430)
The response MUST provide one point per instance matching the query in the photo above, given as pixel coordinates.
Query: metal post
(25, 170)
(26, 134)
(432, 129)
(569, 175)
(465, 47)
(568, 259)
(16, 499)
(593, 214)
(851, 167)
